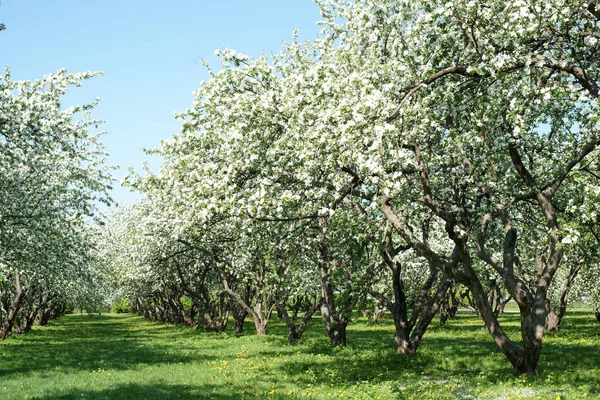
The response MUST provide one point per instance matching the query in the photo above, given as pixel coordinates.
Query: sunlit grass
(125, 357)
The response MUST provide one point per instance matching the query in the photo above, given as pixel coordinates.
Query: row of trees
(52, 177)
(412, 157)
(412, 147)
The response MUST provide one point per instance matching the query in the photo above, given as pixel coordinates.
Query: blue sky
(149, 51)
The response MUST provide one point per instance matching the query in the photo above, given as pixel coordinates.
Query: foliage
(52, 178)
(121, 307)
(475, 141)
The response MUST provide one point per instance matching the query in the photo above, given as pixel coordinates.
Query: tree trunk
(28, 316)
(409, 333)
(335, 324)
(499, 307)
(12, 314)
(377, 313)
(449, 306)
(213, 313)
(217, 323)
(554, 318)
(553, 321)
(239, 317)
(295, 334)
(428, 312)
(261, 327)
(336, 328)
(43, 317)
(296, 305)
(398, 308)
(523, 362)
(27, 320)
(260, 320)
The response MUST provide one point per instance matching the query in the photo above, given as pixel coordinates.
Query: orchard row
(413, 157)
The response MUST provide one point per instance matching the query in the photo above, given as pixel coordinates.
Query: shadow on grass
(461, 350)
(378, 362)
(90, 342)
(464, 350)
(136, 391)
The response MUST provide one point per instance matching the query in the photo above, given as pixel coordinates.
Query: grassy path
(125, 357)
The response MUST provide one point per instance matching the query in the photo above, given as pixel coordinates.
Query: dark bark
(552, 320)
(13, 309)
(239, 317)
(29, 312)
(239, 312)
(409, 332)
(335, 321)
(12, 314)
(296, 306)
(43, 316)
(495, 297)
(523, 362)
(259, 315)
(594, 9)
(295, 333)
(519, 359)
(216, 314)
(554, 317)
(214, 325)
(142, 308)
(533, 328)
(335, 325)
(450, 306)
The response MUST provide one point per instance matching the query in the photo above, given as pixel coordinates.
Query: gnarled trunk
(215, 325)
(239, 317)
(11, 315)
(295, 334)
(260, 320)
(216, 314)
(523, 363)
(335, 322)
(554, 318)
(43, 316)
(377, 313)
(12, 311)
(409, 332)
(260, 317)
(296, 306)
(335, 327)
(449, 306)
(239, 312)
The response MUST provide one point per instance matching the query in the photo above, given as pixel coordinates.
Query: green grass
(124, 357)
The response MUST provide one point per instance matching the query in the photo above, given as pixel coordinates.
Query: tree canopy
(412, 150)
(53, 177)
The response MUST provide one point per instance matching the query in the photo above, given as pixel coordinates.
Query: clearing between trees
(112, 356)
